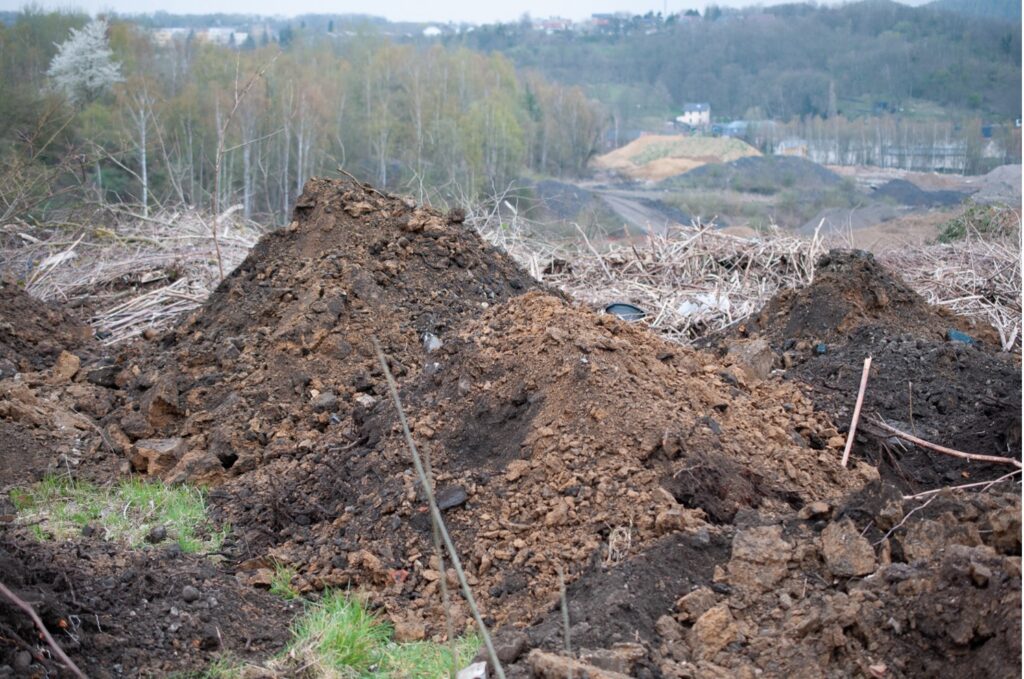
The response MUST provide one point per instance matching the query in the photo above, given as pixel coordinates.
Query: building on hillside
(432, 32)
(695, 115)
(552, 25)
(792, 146)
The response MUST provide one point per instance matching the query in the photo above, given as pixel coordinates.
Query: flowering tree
(83, 68)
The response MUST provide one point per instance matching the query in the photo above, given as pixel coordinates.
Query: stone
(410, 631)
(189, 594)
(65, 368)
(814, 510)
(694, 604)
(159, 405)
(754, 358)
(327, 402)
(713, 631)
(760, 558)
(156, 456)
(451, 497)
(847, 554)
(365, 400)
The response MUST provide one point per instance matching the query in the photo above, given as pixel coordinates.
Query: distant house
(792, 146)
(695, 115)
(431, 32)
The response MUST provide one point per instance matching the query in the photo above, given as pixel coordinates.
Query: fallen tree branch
(986, 484)
(51, 642)
(856, 410)
(943, 449)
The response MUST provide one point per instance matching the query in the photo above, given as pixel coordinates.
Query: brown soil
(33, 333)
(693, 501)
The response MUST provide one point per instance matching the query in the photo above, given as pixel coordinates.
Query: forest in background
(461, 116)
(196, 123)
(781, 62)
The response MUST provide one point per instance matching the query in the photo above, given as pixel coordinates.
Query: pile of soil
(761, 174)
(282, 352)
(963, 395)
(902, 192)
(693, 500)
(558, 437)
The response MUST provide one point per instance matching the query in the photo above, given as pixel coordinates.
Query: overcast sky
(479, 11)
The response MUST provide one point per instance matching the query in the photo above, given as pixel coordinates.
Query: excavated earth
(693, 500)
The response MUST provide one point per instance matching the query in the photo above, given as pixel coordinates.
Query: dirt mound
(902, 192)
(33, 332)
(962, 394)
(1001, 185)
(656, 157)
(123, 613)
(282, 351)
(557, 436)
(761, 174)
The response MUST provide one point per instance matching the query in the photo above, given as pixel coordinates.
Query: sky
(477, 11)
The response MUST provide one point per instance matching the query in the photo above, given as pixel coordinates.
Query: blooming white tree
(83, 67)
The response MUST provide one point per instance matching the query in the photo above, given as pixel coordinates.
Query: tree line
(784, 61)
(195, 123)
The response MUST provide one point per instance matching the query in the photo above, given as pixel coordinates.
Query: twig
(986, 484)
(904, 519)
(435, 513)
(944, 450)
(51, 642)
(856, 410)
(565, 615)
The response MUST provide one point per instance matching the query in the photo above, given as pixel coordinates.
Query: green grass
(126, 511)
(281, 583)
(339, 637)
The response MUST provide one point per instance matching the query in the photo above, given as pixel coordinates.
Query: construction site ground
(692, 499)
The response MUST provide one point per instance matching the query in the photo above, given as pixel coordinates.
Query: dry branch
(50, 641)
(435, 514)
(943, 449)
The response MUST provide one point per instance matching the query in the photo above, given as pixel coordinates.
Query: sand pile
(656, 157)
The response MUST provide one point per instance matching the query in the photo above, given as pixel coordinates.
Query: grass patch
(126, 511)
(281, 582)
(339, 637)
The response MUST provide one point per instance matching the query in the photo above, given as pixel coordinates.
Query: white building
(695, 115)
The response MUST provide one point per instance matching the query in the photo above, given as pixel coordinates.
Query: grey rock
(189, 594)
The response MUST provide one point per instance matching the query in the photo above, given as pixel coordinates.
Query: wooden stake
(856, 410)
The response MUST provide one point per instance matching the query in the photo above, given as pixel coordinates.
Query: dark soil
(33, 332)
(902, 192)
(123, 613)
(965, 396)
(761, 174)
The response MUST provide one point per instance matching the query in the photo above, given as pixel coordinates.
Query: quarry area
(664, 497)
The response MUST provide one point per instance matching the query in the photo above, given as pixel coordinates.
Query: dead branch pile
(690, 282)
(136, 274)
(977, 277)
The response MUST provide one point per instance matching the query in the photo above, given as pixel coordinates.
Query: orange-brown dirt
(693, 499)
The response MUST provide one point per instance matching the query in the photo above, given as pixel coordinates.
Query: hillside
(1008, 10)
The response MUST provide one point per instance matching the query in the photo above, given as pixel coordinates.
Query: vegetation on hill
(783, 61)
(194, 122)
